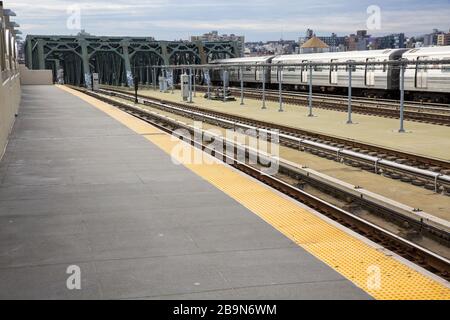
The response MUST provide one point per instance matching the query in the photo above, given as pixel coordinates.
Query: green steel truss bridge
(118, 59)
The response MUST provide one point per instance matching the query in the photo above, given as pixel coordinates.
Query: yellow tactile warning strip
(379, 274)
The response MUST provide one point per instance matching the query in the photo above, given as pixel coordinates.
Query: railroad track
(414, 105)
(403, 247)
(438, 114)
(426, 172)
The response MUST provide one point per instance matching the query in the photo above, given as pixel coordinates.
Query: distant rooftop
(314, 42)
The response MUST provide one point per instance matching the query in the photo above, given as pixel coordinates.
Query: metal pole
(242, 86)
(349, 120)
(263, 88)
(224, 89)
(154, 79)
(172, 73)
(280, 88)
(195, 73)
(310, 92)
(136, 88)
(190, 85)
(209, 85)
(402, 96)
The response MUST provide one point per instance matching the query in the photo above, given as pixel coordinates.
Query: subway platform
(86, 185)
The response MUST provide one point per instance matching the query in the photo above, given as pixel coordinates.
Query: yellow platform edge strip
(374, 271)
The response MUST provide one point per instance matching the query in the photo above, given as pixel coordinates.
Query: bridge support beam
(112, 57)
(127, 62)
(85, 61)
(165, 53)
(29, 55)
(41, 59)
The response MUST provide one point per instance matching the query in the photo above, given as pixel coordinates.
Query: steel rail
(420, 113)
(420, 105)
(423, 160)
(436, 179)
(339, 152)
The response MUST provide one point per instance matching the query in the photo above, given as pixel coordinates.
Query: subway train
(425, 82)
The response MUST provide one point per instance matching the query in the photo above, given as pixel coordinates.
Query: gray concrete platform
(79, 188)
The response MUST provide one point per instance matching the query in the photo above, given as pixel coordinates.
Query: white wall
(9, 105)
(35, 77)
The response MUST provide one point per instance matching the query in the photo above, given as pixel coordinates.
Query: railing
(401, 65)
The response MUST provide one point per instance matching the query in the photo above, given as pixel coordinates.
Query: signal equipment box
(162, 84)
(185, 87)
(95, 82)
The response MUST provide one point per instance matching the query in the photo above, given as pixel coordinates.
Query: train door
(333, 73)
(304, 72)
(421, 73)
(370, 73)
(249, 74)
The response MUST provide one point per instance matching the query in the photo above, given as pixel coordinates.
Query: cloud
(256, 19)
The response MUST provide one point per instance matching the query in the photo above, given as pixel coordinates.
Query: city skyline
(260, 20)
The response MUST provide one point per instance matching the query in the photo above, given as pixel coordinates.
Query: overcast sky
(256, 19)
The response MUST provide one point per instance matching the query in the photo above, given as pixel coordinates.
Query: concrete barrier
(35, 77)
(9, 105)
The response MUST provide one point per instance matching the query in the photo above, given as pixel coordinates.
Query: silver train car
(330, 78)
(422, 82)
(251, 73)
(431, 81)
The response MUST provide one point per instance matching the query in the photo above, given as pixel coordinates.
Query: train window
(421, 66)
(353, 66)
(292, 69)
(384, 66)
(370, 67)
(304, 67)
(248, 68)
(446, 67)
(318, 68)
